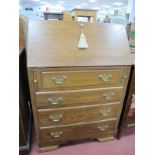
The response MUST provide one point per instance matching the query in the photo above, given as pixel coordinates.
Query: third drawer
(72, 115)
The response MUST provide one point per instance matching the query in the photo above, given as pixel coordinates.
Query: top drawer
(60, 80)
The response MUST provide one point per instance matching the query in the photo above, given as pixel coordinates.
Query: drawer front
(62, 116)
(78, 97)
(59, 135)
(59, 80)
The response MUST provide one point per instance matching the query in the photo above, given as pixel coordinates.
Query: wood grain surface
(72, 115)
(75, 132)
(78, 78)
(54, 44)
(80, 97)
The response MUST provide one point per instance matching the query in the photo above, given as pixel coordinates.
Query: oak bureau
(76, 93)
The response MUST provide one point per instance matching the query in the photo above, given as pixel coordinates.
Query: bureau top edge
(110, 63)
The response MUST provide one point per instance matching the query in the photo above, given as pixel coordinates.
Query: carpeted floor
(124, 146)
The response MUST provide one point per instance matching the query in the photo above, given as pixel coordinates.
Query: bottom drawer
(59, 135)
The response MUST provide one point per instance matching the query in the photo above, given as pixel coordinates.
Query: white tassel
(82, 42)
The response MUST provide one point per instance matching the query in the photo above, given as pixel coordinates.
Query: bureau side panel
(32, 86)
(127, 73)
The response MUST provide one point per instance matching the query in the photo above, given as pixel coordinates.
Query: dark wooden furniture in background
(50, 15)
(76, 93)
(25, 116)
(128, 29)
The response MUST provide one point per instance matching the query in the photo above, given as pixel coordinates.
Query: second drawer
(78, 97)
(62, 116)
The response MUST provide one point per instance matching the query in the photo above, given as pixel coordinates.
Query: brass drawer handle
(105, 77)
(103, 128)
(56, 134)
(54, 100)
(59, 79)
(105, 112)
(108, 96)
(55, 118)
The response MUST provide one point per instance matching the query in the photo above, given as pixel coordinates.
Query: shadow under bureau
(76, 93)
